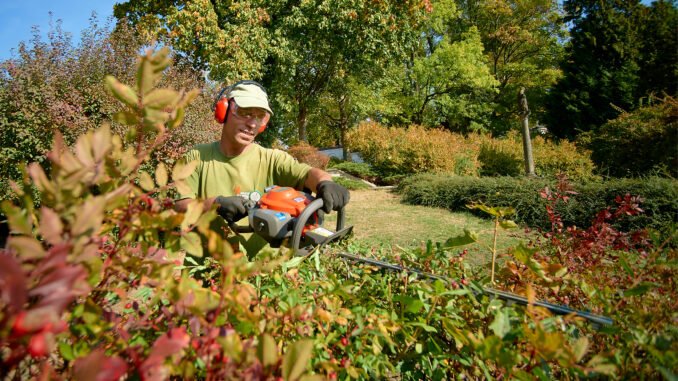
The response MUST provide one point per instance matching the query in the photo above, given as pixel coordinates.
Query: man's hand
(334, 195)
(232, 208)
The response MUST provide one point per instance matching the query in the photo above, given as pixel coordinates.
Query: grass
(380, 220)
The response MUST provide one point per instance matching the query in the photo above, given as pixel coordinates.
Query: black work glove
(334, 195)
(232, 208)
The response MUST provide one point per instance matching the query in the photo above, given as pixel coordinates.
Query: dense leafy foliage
(638, 143)
(611, 62)
(55, 86)
(660, 198)
(401, 152)
(93, 285)
(305, 153)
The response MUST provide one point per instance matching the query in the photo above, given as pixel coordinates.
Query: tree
(445, 80)
(658, 54)
(294, 47)
(601, 70)
(522, 42)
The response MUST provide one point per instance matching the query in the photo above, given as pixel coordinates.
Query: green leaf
(145, 76)
(267, 350)
(66, 351)
(126, 118)
(523, 254)
(425, 326)
(468, 237)
(640, 289)
(501, 324)
(667, 373)
(296, 359)
(507, 224)
(17, 218)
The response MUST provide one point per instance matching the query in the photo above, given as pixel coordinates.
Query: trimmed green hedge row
(455, 192)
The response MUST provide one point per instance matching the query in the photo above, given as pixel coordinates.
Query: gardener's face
(242, 124)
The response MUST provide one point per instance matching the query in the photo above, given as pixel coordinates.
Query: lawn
(380, 220)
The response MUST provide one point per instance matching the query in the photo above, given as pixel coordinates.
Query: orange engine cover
(284, 199)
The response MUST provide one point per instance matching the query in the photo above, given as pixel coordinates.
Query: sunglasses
(250, 113)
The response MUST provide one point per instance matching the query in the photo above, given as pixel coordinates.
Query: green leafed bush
(454, 193)
(638, 143)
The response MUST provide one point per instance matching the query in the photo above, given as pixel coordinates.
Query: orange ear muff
(220, 110)
(264, 123)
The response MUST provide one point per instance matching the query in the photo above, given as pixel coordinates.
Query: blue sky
(17, 17)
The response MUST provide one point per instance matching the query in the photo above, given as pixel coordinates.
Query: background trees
(612, 61)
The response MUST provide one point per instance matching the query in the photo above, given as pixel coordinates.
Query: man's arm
(314, 176)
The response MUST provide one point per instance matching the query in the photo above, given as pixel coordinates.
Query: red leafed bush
(306, 153)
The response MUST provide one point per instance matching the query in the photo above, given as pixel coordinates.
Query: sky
(17, 17)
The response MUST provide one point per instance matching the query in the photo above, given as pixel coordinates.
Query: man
(234, 166)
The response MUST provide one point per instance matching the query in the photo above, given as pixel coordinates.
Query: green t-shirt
(255, 170)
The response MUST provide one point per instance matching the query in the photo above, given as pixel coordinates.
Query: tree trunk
(524, 112)
(301, 123)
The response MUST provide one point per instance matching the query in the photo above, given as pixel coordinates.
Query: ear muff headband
(222, 105)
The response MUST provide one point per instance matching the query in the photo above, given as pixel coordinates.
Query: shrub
(56, 86)
(350, 184)
(362, 170)
(306, 153)
(638, 143)
(399, 151)
(504, 157)
(454, 193)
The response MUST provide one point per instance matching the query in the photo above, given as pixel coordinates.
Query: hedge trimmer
(285, 215)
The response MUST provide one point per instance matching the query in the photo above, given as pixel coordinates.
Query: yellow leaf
(51, 227)
(88, 217)
(182, 170)
(121, 91)
(40, 178)
(193, 212)
(161, 175)
(145, 181)
(183, 188)
(27, 247)
(192, 243)
(160, 98)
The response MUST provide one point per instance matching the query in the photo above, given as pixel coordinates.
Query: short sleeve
(288, 171)
(193, 180)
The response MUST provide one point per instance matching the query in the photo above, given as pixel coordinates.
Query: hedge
(455, 192)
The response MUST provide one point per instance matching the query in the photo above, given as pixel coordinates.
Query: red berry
(19, 328)
(214, 288)
(464, 282)
(344, 341)
(37, 346)
(128, 305)
(343, 362)
(333, 376)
